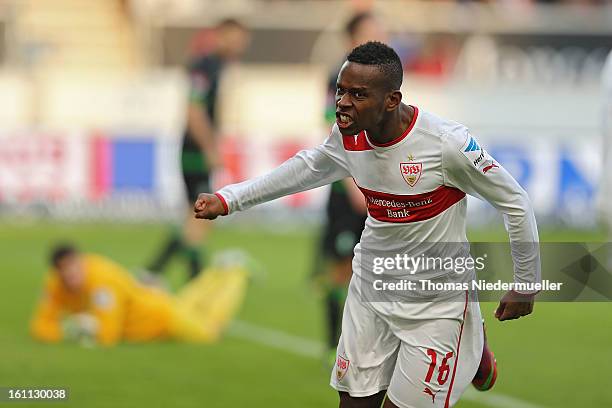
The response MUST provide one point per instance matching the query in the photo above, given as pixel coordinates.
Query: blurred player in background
(345, 209)
(415, 169)
(200, 153)
(92, 300)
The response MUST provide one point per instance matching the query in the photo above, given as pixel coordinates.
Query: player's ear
(394, 99)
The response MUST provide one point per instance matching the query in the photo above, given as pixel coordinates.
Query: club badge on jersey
(411, 171)
(342, 365)
(479, 158)
(103, 299)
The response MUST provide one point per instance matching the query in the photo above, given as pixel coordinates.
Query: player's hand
(514, 305)
(80, 328)
(208, 206)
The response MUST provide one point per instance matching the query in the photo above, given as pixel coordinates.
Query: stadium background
(91, 114)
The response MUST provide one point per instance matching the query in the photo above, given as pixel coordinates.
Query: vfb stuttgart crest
(411, 172)
(342, 365)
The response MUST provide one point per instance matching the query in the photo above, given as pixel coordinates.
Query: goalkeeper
(90, 299)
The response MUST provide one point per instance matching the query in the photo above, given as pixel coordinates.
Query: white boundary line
(494, 399)
(313, 349)
(276, 339)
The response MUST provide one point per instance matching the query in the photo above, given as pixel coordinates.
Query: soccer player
(346, 211)
(90, 299)
(200, 153)
(414, 169)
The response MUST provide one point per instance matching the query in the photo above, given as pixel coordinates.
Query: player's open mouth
(343, 121)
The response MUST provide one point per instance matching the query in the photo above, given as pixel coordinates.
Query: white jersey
(415, 189)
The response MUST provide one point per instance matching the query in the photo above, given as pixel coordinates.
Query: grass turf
(558, 357)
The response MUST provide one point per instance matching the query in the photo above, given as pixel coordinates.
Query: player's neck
(393, 126)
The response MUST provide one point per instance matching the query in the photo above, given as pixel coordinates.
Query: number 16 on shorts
(443, 371)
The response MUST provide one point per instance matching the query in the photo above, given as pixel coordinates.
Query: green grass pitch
(559, 357)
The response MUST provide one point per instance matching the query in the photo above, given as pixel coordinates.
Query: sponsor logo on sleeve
(479, 158)
(489, 167)
(472, 145)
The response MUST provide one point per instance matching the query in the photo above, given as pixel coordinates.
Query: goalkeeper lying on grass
(90, 299)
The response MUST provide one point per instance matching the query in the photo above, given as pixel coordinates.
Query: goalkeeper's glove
(80, 328)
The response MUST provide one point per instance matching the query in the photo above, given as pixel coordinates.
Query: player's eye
(340, 91)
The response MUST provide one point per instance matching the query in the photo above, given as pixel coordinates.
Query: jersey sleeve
(306, 170)
(45, 324)
(468, 167)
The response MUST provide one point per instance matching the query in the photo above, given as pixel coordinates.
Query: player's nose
(343, 100)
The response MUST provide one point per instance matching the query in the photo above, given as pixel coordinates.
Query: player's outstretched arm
(469, 167)
(208, 206)
(306, 170)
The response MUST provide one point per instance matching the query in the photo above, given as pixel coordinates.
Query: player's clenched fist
(514, 305)
(208, 206)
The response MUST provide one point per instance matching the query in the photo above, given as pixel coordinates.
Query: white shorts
(420, 362)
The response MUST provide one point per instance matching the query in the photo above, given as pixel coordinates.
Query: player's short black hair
(60, 251)
(383, 56)
(230, 23)
(353, 24)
